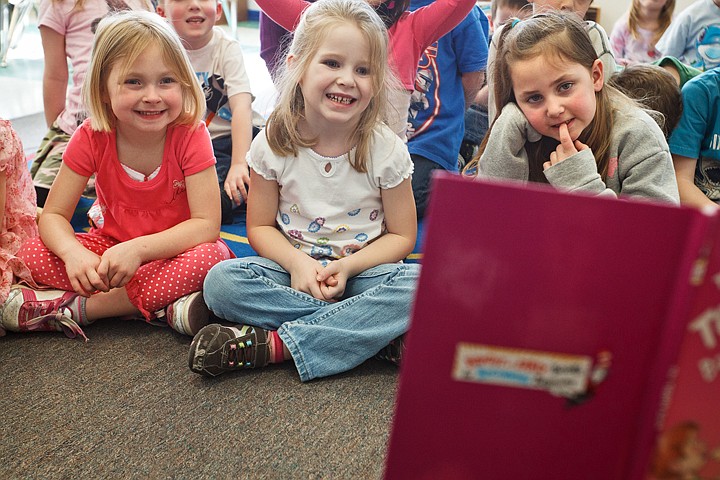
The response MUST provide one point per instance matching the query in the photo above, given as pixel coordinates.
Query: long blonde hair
(284, 137)
(121, 37)
(563, 36)
(665, 18)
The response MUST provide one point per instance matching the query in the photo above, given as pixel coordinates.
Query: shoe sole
(206, 335)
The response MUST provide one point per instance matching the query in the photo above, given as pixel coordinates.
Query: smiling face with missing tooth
(338, 84)
(551, 91)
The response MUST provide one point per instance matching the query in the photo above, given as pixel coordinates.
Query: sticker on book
(563, 375)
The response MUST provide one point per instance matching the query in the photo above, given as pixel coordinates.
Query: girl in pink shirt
(635, 34)
(155, 224)
(67, 29)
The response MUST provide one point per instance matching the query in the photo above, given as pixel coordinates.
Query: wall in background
(611, 10)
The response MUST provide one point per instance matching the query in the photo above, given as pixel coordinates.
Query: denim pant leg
(340, 336)
(255, 291)
(476, 124)
(323, 338)
(421, 184)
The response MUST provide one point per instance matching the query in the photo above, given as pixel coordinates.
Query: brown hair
(121, 37)
(664, 20)
(282, 131)
(562, 36)
(655, 88)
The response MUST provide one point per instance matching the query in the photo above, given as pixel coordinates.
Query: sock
(77, 309)
(277, 355)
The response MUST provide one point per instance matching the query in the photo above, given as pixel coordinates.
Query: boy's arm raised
(285, 13)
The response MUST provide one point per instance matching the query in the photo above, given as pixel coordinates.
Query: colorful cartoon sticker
(560, 374)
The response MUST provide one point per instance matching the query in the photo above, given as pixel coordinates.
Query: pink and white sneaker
(28, 310)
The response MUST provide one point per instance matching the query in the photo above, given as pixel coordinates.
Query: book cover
(543, 331)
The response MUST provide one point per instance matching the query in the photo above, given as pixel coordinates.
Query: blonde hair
(665, 18)
(563, 36)
(121, 37)
(317, 21)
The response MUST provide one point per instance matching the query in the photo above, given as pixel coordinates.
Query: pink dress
(18, 222)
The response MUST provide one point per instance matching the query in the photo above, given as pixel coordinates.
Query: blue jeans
(421, 182)
(222, 147)
(323, 338)
(476, 124)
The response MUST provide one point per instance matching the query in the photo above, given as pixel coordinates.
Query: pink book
(546, 337)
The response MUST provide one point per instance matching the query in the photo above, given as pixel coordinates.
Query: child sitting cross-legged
(330, 213)
(156, 221)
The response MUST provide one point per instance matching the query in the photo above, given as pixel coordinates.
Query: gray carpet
(125, 405)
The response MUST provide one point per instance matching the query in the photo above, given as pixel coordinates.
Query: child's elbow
(210, 230)
(407, 245)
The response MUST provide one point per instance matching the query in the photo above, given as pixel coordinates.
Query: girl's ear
(289, 61)
(597, 75)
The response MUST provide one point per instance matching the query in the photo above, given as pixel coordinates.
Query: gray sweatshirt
(640, 162)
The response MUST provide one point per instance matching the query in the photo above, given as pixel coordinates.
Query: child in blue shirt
(695, 143)
(693, 36)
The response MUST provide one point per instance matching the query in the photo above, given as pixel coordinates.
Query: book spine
(691, 276)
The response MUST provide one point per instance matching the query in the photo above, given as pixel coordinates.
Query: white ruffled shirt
(326, 208)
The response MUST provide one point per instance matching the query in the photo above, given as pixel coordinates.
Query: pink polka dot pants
(155, 285)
